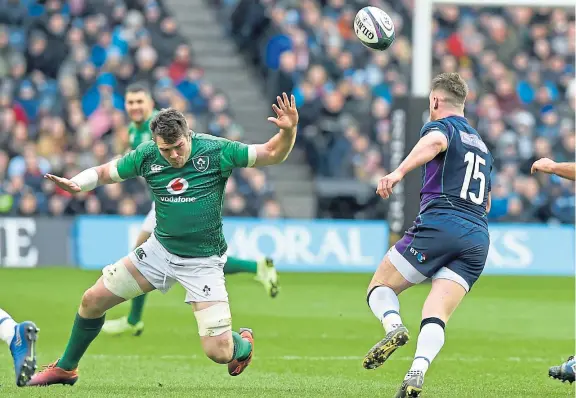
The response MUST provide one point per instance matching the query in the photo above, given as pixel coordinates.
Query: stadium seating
(64, 68)
(518, 65)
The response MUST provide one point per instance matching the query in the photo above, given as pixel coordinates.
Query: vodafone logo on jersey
(177, 186)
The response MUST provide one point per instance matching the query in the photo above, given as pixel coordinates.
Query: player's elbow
(103, 174)
(277, 157)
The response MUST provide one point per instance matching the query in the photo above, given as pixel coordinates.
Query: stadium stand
(518, 65)
(64, 68)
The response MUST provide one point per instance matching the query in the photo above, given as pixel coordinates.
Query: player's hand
(64, 183)
(286, 112)
(544, 165)
(387, 184)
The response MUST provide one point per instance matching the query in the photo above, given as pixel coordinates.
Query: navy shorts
(442, 245)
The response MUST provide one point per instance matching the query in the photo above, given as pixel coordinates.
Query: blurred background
(64, 70)
(65, 66)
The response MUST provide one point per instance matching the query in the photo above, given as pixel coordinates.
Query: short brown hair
(453, 85)
(169, 124)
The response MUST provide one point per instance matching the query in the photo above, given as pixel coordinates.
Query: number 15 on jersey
(473, 172)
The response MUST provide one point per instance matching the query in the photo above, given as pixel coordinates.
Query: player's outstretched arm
(277, 149)
(424, 151)
(88, 179)
(564, 170)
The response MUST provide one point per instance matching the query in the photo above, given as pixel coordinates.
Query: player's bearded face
(178, 153)
(138, 106)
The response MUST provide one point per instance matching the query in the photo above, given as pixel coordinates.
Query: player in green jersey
(187, 174)
(139, 106)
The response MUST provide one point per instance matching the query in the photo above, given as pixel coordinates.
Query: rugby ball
(374, 28)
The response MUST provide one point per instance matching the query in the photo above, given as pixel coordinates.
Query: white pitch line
(454, 358)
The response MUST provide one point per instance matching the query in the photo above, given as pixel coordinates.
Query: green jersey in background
(139, 134)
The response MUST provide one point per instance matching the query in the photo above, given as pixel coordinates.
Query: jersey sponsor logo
(176, 199)
(177, 186)
(156, 168)
(201, 163)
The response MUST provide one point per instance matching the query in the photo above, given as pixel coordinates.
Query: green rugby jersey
(189, 200)
(139, 134)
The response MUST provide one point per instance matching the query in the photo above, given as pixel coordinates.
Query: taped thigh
(120, 281)
(214, 320)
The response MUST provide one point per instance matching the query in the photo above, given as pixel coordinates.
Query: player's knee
(219, 349)
(120, 282)
(214, 320)
(93, 301)
(388, 276)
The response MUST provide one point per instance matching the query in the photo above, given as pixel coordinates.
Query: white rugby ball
(374, 28)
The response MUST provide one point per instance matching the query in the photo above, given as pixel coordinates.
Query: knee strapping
(120, 281)
(435, 320)
(214, 320)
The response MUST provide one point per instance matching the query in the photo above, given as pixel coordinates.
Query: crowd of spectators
(64, 69)
(518, 63)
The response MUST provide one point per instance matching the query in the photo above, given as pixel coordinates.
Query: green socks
(83, 333)
(242, 348)
(136, 310)
(235, 265)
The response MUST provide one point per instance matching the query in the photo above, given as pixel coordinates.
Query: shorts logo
(177, 186)
(140, 253)
(206, 290)
(421, 257)
(201, 163)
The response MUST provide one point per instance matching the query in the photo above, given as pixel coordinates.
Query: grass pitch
(310, 341)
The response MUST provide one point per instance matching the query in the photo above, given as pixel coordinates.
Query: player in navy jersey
(449, 240)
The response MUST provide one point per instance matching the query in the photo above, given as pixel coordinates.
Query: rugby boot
(412, 384)
(23, 349)
(121, 326)
(266, 274)
(52, 374)
(384, 348)
(235, 367)
(564, 372)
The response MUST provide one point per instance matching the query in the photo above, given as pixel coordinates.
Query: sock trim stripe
(424, 358)
(390, 312)
(4, 319)
(435, 320)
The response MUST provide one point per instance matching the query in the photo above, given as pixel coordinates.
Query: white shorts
(202, 277)
(150, 220)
